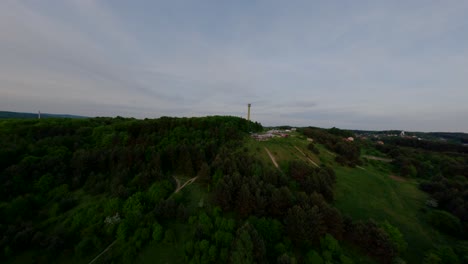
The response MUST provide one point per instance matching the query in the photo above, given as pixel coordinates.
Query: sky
(371, 65)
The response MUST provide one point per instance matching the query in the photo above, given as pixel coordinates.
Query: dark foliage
(372, 239)
(49, 167)
(334, 139)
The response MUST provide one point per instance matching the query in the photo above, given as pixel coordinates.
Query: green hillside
(368, 191)
(205, 190)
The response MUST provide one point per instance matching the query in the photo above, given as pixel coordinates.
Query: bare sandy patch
(398, 178)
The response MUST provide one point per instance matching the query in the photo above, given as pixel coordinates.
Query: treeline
(427, 144)
(75, 185)
(455, 137)
(421, 163)
(445, 178)
(334, 140)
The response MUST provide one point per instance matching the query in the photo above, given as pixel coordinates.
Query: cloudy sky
(351, 64)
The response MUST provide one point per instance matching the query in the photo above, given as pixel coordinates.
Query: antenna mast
(248, 112)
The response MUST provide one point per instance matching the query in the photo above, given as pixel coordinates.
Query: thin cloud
(366, 64)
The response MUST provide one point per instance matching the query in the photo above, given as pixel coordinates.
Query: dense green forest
(189, 190)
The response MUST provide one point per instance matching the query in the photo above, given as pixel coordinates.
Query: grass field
(283, 149)
(371, 193)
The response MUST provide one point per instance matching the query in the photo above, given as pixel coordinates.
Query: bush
(446, 222)
(158, 231)
(395, 236)
(169, 237)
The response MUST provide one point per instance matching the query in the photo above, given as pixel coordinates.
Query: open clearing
(371, 193)
(283, 150)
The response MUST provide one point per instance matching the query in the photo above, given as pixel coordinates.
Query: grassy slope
(370, 192)
(367, 192)
(283, 149)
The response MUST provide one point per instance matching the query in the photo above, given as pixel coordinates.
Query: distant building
(380, 142)
(262, 137)
(351, 139)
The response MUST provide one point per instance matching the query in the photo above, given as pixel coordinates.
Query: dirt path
(179, 187)
(377, 158)
(104, 251)
(311, 161)
(177, 182)
(398, 178)
(272, 158)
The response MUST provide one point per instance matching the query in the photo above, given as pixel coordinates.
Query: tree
(133, 209)
(169, 237)
(159, 190)
(313, 257)
(158, 232)
(447, 255)
(372, 239)
(304, 225)
(245, 201)
(395, 236)
(248, 246)
(243, 247)
(204, 173)
(432, 258)
(446, 222)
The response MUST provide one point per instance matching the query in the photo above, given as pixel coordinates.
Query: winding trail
(185, 184)
(311, 161)
(177, 182)
(104, 251)
(272, 158)
(377, 158)
(360, 167)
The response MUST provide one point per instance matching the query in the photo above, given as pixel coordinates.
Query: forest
(72, 189)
